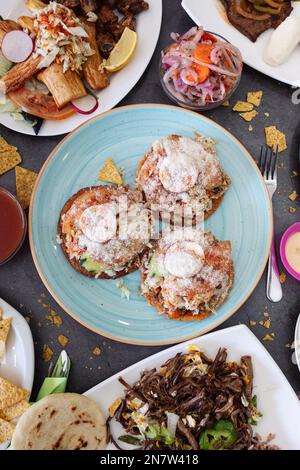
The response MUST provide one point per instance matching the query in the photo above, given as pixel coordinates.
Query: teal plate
(125, 134)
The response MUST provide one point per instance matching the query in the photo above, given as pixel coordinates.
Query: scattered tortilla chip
(4, 332)
(242, 107)
(252, 323)
(6, 431)
(267, 114)
(274, 137)
(292, 210)
(268, 338)
(109, 173)
(261, 322)
(25, 180)
(250, 128)
(226, 103)
(63, 340)
(249, 116)
(14, 411)
(266, 314)
(267, 323)
(9, 156)
(282, 278)
(97, 352)
(255, 97)
(293, 196)
(10, 394)
(47, 353)
(114, 407)
(54, 318)
(294, 173)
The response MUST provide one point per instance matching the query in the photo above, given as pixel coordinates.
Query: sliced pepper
(222, 436)
(271, 11)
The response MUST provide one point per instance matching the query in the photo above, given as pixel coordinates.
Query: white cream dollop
(99, 222)
(184, 259)
(283, 41)
(181, 166)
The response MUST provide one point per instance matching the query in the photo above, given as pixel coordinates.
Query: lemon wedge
(123, 51)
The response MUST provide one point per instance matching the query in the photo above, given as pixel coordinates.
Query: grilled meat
(252, 28)
(132, 6)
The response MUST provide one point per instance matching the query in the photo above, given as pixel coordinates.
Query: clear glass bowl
(191, 104)
(24, 226)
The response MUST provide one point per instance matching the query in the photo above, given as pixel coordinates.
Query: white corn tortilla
(63, 421)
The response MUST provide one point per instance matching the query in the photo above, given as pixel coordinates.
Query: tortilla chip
(47, 353)
(293, 196)
(249, 116)
(63, 340)
(9, 156)
(274, 137)
(25, 180)
(242, 107)
(10, 394)
(6, 431)
(14, 411)
(109, 173)
(226, 103)
(4, 332)
(255, 97)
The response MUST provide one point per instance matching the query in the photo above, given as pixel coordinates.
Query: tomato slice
(208, 37)
(39, 104)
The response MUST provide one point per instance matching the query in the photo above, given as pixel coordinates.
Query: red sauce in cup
(13, 225)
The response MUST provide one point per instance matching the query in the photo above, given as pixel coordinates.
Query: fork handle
(274, 289)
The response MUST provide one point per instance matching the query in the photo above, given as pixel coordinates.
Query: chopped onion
(172, 422)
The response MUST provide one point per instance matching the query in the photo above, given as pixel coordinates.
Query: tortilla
(6, 431)
(249, 116)
(4, 332)
(25, 180)
(63, 421)
(255, 97)
(242, 107)
(10, 394)
(109, 173)
(14, 411)
(275, 138)
(9, 158)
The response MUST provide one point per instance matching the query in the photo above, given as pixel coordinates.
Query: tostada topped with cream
(179, 172)
(104, 231)
(188, 275)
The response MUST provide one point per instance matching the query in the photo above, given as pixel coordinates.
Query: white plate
(17, 365)
(213, 17)
(148, 29)
(276, 399)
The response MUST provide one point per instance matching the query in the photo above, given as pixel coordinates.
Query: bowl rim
(285, 237)
(24, 224)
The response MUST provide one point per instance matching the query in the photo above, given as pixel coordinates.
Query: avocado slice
(91, 265)
(154, 269)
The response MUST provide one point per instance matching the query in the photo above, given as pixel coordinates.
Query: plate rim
(30, 132)
(137, 342)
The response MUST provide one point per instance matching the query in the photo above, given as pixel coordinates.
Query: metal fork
(268, 167)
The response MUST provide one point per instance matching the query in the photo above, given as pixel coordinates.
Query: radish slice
(86, 105)
(17, 46)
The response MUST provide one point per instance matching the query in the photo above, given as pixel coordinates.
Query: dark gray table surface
(21, 286)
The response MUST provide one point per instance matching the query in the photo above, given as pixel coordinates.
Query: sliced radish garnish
(17, 46)
(86, 105)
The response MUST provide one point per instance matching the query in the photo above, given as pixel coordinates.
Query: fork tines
(268, 161)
